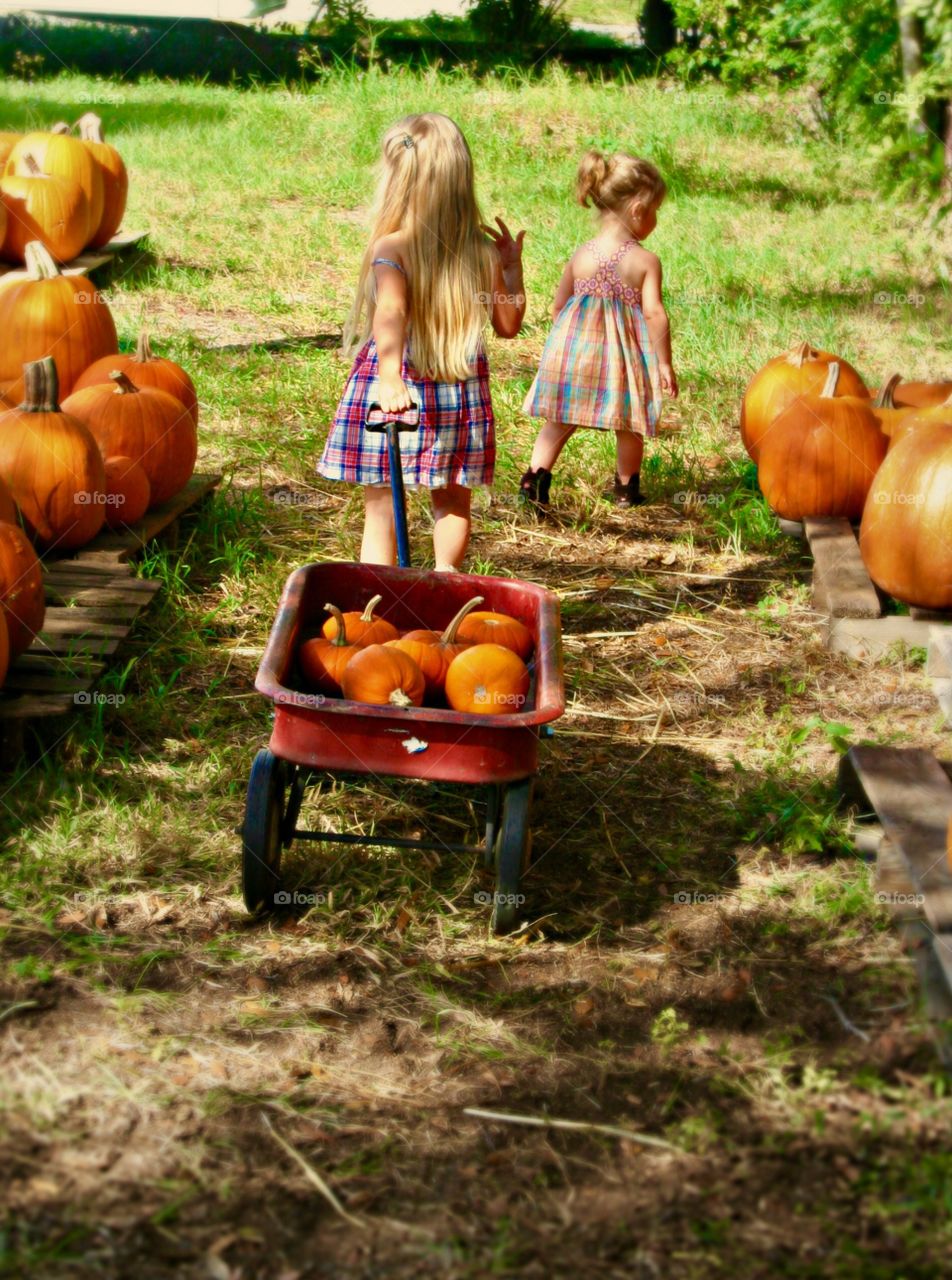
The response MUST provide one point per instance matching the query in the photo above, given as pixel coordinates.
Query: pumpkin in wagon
(21, 589)
(433, 651)
(802, 369)
(383, 676)
(487, 680)
(322, 661)
(486, 627)
(363, 626)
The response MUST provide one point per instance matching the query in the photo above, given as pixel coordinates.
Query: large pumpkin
(62, 156)
(21, 588)
(800, 370)
(41, 206)
(7, 142)
(51, 464)
(922, 395)
(149, 426)
(115, 179)
(49, 314)
(383, 676)
(145, 370)
(487, 680)
(433, 651)
(8, 508)
(820, 455)
(906, 533)
(128, 492)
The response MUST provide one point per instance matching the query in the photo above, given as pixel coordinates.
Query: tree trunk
(910, 48)
(947, 154)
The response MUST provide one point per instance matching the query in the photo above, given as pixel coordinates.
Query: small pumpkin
(50, 314)
(147, 425)
(433, 651)
(128, 492)
(497, 628)
(363, 626)
(144, 370)
(115, 179)
(322, 661)
(922, 395)
(21, 589)
(906, 532)
(51, 464)
(487, 680)
(61, 156)
(41, 206)
(383, 676)
(800, 370)
(821, 455)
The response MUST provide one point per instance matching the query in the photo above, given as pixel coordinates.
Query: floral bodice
(606, 282)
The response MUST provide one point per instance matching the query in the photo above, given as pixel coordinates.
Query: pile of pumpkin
(824, 446)
(67, 191)
(124, 438)
(477, 664)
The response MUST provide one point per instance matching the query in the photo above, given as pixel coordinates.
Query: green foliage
(519, 22)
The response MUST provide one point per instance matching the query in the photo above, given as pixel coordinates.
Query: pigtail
(592, 173)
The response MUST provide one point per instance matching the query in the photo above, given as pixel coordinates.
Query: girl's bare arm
(390, 331)
(564, 289)
(509, 295)
(656, 318)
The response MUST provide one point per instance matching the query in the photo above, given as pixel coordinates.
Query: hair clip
(408, 141)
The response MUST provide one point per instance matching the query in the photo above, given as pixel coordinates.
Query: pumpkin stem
(90, 127)
(40, 386)
(39, 261)
(61, 127)
(400, 699)
(143, 349)
(368, 613)
(449, 635)
(341, 638)
(32, 168)
(124, 384)
(884, 396)
(832, 377)
(796, 355)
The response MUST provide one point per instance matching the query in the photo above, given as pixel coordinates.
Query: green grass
(695, 904)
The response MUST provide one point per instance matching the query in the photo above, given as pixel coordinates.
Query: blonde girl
(608, 356)
(431, 277)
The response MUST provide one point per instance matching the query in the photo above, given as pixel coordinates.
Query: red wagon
(314, 737)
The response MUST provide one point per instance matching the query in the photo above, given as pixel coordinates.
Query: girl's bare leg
(452, 523)
(630, 446)
(379, 543)
(549, 443)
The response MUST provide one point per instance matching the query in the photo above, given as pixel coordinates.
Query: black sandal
(629, 495)
(534, 490)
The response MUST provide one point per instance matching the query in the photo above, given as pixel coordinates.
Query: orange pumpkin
(145, 370)
(49, 314)
(7, 142)
(115, 179)
(820, 455)
(383, 676)
(912, 419)
(40, 206)
(51, 464)
(487, 680)
(147, 425)
(128, 492)
(62, 156)
(497, 628)
(4, 649)
(21, 589)
(8, 508)
(922, 395)
(906, 533)
(800, 370)
(433, 651)
(323, 661)
(364, 627)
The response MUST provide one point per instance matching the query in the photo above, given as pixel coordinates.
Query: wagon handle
(392, 424)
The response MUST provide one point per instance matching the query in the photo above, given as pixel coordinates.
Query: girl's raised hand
(509, 249)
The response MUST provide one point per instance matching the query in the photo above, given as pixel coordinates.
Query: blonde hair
(609, 181)
(426, 190)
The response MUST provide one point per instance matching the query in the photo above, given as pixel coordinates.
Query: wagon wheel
(261, 833)
(512, 853)
(494, 794)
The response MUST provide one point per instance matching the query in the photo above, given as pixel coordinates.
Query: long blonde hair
(426, 190)
(610, 181)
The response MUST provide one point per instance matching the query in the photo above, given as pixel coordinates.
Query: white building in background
(298, 11)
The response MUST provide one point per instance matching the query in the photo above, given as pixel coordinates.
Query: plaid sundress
(454, 444)
(598, 368)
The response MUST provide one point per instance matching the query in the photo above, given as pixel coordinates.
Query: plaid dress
(598, 368)
(455, 442)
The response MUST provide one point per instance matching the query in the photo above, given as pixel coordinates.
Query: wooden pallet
(93, 600)
(906, 797)
(86, 262)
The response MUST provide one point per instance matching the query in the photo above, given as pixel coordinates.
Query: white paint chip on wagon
(413, 746)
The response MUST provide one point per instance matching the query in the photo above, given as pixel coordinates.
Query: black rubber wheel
(261, 833)
(512, 854)
(494, 793)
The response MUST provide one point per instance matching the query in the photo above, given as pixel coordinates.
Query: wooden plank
(90, 597)
(124, 240)
(113, 613)
(35, 706)
(792, 528)
(841, 585)
(74, 622)
(871, 638)
(35, 661)
(912, 796)
(73, 646)
(19, 681)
